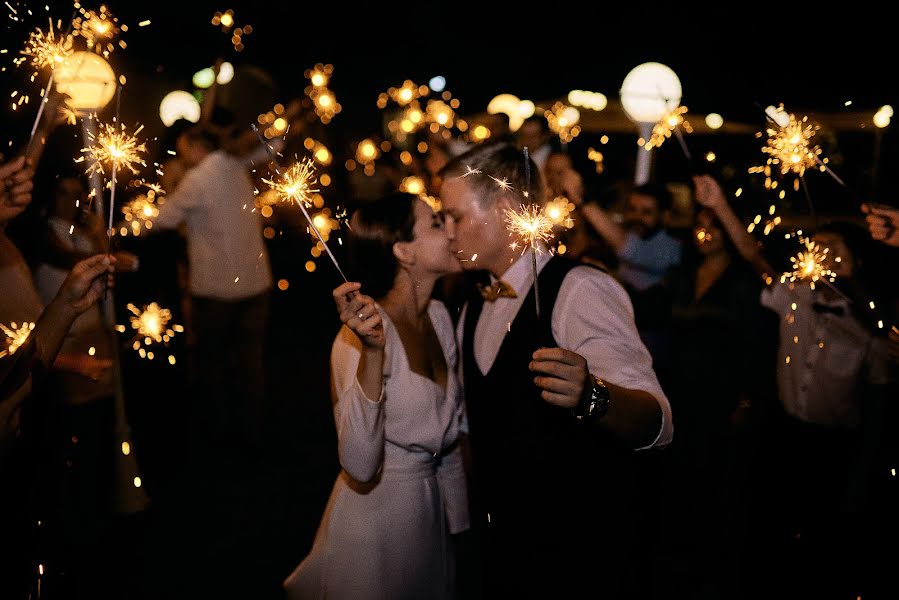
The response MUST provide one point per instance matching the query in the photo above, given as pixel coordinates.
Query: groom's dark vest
(533, 464)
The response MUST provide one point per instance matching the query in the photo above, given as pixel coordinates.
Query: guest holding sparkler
(832, 380)
(229, 278)
(556, 402)
(401, 493)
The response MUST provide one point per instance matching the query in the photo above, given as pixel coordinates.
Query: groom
(556, 404)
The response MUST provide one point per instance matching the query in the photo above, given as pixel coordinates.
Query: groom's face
(477, 234)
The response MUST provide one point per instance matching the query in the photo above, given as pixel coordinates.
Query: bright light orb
(649, 92)
(714, 120)
(87, 79)
(179, 105)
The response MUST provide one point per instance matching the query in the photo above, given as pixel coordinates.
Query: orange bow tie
(497, 289)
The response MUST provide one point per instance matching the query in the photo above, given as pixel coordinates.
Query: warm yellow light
(227, 19)
(280, 124)
(283, 284)
(881, 119)
(320, 221)
(310, 266)
(322, 155)
(714, 120)
(87, 79)
(650, 91)
(137, 482)
(126, 448)
(179, 105)
(319, 79)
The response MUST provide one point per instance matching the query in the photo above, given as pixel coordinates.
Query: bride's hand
(358, 312)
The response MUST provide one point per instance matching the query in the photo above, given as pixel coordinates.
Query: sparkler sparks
(503, 183)
(529, 225)
(16, 336)
(114, 148)
(47, 49)
(790, 146)
(97, 27)
(295, 184)
(140, 212)
(667, 125)
(151, 325)
(562, 120)
(810, 264)
(469, 171)
(558, 211)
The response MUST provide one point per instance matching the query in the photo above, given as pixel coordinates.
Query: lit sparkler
(529, 225)
(115, 149)
(16, 336)
(296, 185)
(97, 27)
(810, 264)
(790, 146)
(151, 326)
(563, 121)
(558, 210)
(47, 49)
(667, 125)
(469, 171)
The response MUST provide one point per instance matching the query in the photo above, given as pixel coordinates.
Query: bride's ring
(361, 317)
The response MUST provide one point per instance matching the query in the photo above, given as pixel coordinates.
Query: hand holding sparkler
(16, 183)
(359, 312)
(883, 223)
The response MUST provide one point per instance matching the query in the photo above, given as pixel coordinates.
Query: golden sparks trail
(114, 148)
(791, 147)
(151, 327)
(810, 264)
(667, 125)
(46, 49)
(295, 184)
(16, 336)
(529, 225)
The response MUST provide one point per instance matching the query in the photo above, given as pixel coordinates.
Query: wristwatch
(595, 404)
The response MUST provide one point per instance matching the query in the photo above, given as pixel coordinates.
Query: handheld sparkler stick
(298, 201)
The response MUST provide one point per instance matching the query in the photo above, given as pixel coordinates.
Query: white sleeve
(187, 196)
(359, 419)
(777, 297)
(593, 316)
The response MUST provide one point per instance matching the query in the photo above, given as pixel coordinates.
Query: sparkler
(810, 264)
(46, 50)
(668, 124)
(151, 326)
(16, 336)
(295, 185)
(791, 147)
(529, 225)
(114, 148)
(97, 27)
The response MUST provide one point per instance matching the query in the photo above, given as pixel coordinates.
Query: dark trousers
(227, 367)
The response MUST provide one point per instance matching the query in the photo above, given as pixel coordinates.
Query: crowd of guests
(666, 417)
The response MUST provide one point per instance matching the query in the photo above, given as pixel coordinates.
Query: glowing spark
(46, 50)
(529, 225)
(558, 211)
(151, 326)
(666, 126)
(96, 28)
(404, 94)
(114, 148)
(790, 146)
(296, 183)
(412, 185)
(563, 121)
(323, 100)
(141, 211)
(15, 337)
(502, 183)
(809, 264)
(469, 171)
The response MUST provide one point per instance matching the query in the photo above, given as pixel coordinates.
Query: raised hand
(358, 312)
(86, 283)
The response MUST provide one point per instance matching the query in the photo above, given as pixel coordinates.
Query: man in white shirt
(555, 402)
(229, 282)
